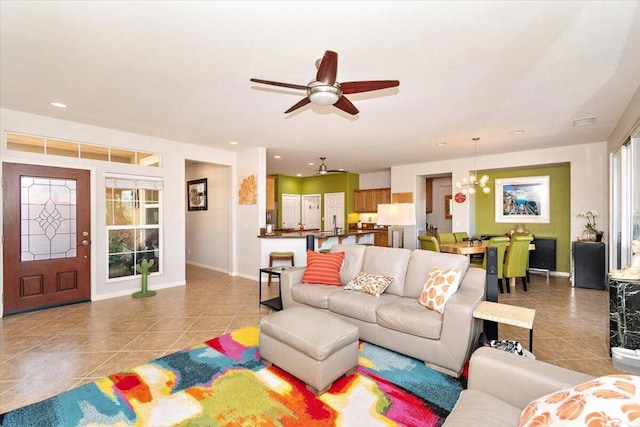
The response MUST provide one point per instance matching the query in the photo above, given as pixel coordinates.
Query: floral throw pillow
(323, 268)
(441, 284)
(373, 284)
(605, 401)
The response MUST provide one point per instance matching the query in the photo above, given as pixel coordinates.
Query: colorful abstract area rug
(223, 382)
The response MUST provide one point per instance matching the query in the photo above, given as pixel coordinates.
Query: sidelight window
(134, 224)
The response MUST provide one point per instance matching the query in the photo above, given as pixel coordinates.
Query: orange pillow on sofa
(323, 268)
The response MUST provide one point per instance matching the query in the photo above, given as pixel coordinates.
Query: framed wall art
(197, 195)
(522, 200)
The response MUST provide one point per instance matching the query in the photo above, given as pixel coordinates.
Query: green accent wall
(559, 225)
(320, 184)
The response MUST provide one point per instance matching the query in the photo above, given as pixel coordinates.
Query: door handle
(85, 243)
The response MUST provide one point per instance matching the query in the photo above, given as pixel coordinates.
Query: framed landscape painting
(522, 199)
(197, 195)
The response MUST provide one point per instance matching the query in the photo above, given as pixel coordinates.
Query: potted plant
(591, 232)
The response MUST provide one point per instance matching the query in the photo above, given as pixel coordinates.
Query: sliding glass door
(625, 201)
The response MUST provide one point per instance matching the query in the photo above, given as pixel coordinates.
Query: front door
(47, 246)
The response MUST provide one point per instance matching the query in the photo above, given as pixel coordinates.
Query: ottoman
(315, 347)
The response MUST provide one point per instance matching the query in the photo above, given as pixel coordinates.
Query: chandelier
(468, 185)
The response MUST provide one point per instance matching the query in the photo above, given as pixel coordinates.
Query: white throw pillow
(605, 401)
(441, 284)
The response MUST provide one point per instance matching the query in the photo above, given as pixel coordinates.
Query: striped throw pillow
(323, 268)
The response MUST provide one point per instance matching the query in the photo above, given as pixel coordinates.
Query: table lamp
(396, 216)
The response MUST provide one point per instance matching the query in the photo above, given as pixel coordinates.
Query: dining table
(470, 247)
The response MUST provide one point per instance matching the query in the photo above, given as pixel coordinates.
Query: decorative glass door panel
(48, 218)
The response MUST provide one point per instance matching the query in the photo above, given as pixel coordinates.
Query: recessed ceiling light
(58, 104)
(298, 174)
(277, 157)
(441, 143)
(584, 122)
(233, 142)
(517, 132)
(311, 163)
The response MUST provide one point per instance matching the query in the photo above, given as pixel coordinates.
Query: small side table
(507, 314)
(274, 303)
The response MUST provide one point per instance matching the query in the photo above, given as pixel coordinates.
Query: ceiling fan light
(484, 179)
(472, 178)
(472, 190)
(324, 98)
(486, 190)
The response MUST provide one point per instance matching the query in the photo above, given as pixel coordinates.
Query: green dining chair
(429, 243)
(446, 238)
(461, 236)
(516, 260)
(500, 243)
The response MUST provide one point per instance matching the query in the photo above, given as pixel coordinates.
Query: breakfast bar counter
(296, 242)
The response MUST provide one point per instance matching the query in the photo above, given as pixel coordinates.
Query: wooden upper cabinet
(367, 201)
(271, 193)
(429, 195)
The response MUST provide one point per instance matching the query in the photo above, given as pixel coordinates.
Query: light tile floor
(46, 352)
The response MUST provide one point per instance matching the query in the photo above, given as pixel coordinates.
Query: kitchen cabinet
(381, 238)
(429, 195)
(367, 201)
(271, 193)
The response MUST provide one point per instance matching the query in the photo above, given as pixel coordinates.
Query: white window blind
(134, 183)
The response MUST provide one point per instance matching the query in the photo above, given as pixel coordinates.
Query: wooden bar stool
(279, 256)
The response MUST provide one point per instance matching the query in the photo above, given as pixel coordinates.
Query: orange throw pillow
(323, 268)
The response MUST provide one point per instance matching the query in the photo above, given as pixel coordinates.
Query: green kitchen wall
(319, 184)
(559, 208)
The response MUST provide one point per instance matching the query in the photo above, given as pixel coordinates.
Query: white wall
(588, 178)
(207, 232)
(250, 217)
(368, 181)
(173, 154)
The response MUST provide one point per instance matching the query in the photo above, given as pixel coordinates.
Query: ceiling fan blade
(345, 105)
(366, 86)
(328, 68)
(289, 85)
(301, 103)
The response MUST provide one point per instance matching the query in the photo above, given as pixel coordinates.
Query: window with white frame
(134, 224)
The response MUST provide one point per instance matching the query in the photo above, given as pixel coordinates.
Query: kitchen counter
(296, 242)
(321, 236)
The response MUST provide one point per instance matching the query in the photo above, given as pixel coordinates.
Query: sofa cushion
(479, 409)
(373, 284)
(352, 264)
(315, 295)
(421, 263)
(407, 316)
(595, 402)
(387, 262)
(358, 305)
(439, 287)
(323, 268)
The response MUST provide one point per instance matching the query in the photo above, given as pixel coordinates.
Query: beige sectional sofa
(395, 320)
(502, 384)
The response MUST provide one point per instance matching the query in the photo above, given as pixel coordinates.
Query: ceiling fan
(323, 169)
(325, 90)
